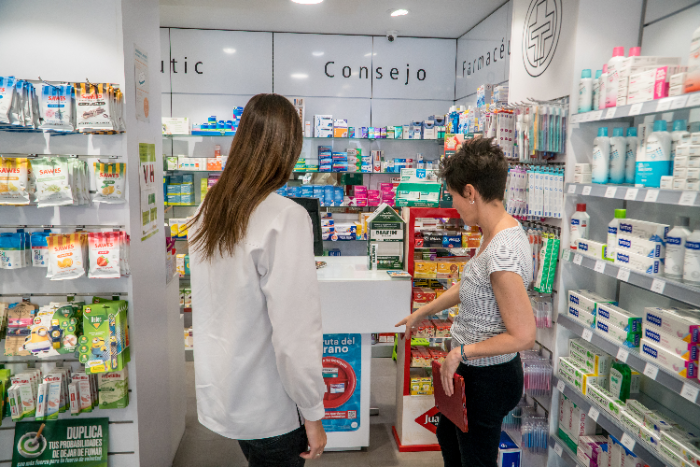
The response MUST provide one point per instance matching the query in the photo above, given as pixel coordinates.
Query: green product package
(102, 346)
(114, 390)
(5, 404)
(620, 379)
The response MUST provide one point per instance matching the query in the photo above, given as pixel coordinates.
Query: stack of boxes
(179, 190)
(323, 126)
(585, 366)
(354, 160)
(640, 246)
(418, 188)
(671, 338)
(340, 128)
(574, 423)
(642, 79)
(325, 159)
(582, 306)
(387, 193)
(340, 161)
(686, 166)
(619, 325)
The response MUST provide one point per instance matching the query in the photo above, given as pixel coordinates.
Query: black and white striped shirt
(479, 316)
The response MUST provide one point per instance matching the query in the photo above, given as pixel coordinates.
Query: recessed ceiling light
(370, 54)
(399, 12)
(307, 2)
(299, 75)
(317, 54)
(229, 50)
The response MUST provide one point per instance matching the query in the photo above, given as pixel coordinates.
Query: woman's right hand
(409, 321)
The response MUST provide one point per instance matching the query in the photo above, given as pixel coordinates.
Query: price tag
(593, 413)
(636, 109)
(690, 392)
(631, 194)
(578, 259)
(599, 266)
(651, 196)
(688, 198)
(679, 102)
(587, 335)
(558, 449)
(610, 192)
(597, 115)
(622, 355)
(586, 190)
(572, 189)
(627, 441)
(561, 386)
(623, 274)
(693, 100)
(664, 104)
(610, 113)
(657, 285)
(651, 371)
(566, 256)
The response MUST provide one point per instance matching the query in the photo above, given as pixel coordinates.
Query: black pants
(491, 392)
(278, 451)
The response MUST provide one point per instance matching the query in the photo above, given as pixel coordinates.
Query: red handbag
(453, 407)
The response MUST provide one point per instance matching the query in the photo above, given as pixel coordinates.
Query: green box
(351, 179)
(385, 239)
(102, 347)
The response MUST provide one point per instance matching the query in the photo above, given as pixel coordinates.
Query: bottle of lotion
(675, 248)
(601, 157)
(596, 89)
(614, 65)
(612, 233)
(679, 131)
(691, 265)
(585, 92)
(618, 155)
(579, 225)
(656, 162)
(631, 155)
(603, 87)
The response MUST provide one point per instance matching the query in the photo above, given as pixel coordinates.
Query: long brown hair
(264, 150)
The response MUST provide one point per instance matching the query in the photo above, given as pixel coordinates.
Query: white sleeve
(289, 282)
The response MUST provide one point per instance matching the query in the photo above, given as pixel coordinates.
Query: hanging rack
(68, 294)
(52, 226)
(35, 155)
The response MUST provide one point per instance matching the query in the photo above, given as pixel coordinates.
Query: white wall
(668, 27)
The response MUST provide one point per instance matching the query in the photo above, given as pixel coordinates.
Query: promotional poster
(342, 360)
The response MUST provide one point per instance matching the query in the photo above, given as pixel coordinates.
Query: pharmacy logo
(541, 35)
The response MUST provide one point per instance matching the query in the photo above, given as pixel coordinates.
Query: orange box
(213, 163)
(423, 269)
(442, 328)
(340, 132)
(447, 268)
(425, 329)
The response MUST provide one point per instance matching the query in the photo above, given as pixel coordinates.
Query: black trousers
(491, 392)
(278, 451)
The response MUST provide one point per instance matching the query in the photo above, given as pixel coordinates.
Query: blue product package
(342, 375)
(363, 132)
(351, 132)
(338, 195)
(290, 191)
(40, 248)
(174, 200)
(187, 178)
(334, 252)
(328, 194)
(509, 453)
(307, 191)
(173, 189)
(452, 241)
(187, 199)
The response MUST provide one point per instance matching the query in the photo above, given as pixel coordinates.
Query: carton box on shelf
(597, 361)
(590, 248)
(682, 444)
(587, 300)
(606, 400)
(669, 360)
(685, 350)
(640, 246)
(622, 337)
(580, 378)
(673, 323)
(644, 264)
(616, 316)
(583, 317)
(176, 126)
(643, 229)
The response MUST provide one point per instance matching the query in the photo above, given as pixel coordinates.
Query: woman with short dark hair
(495, 318)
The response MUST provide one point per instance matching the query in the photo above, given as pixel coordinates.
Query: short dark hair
(478, 162)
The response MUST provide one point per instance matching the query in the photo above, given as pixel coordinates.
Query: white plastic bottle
(612, 233)
(691, 265)
(618, 155)
(601, 157)
(675, 248)
(631, 155)
(603, 87)
(679, 131)
(656, 161)
(596, 90)
(585, 92)
(614, 65)
(579, 225)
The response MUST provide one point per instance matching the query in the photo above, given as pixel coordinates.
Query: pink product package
(360, 191)
(373, 193)
(373, 202)
(386, 186)
(661, 84)
(360, 202)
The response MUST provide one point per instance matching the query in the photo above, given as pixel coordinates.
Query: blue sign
(342, 370)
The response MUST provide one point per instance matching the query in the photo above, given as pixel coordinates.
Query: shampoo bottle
(585, 91)
(601, 157)
(691, 264)
(656, 162)
(579, 225)
(614, 65)
(618, 154)
(603, 87)
(612, 233)
(631, 155)
(596, 89)
(675, 248)
(679, 131)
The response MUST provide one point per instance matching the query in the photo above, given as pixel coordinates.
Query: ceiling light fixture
(399, 12)
(229, 50)
(299, 75)
(307, 2)
(317, 54)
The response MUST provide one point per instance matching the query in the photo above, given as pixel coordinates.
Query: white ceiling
(426, 18)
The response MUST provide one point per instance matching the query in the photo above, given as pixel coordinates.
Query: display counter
(355, 302)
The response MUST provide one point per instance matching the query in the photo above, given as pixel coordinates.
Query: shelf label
(610, 113)
(627, 441)
(578, 259)
(587, 335)
(693, 100)
(610, 192)
(622, 355)
(572, 189)
(593, 413)
(558, 449)
(657, 285)
(651, 371)
(566, 256)
(679, 102)
(664, 104)
(599, 266)
(651, 196)
(561, 386)
(597, 115)
(690, 392)
(631, 194)
(636, 109)
(623, 274)
(688, 198)
(586, 190)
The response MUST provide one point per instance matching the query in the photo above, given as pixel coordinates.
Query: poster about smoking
(342, 367)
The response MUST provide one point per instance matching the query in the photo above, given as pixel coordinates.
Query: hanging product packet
(104, 255)
(57, 107)
(14, 181)
(17, 107)
(7, 94)
(110, 183)
(52, 181)
(12, 254)
(40, 249)
(93, 106)
(119, 122)
(31, 182)
(67, 254)
(20, 317)
(125, 244)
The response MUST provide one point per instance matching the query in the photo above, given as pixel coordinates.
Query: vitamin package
(57, 107)
(110, 183)
(67, 255)
(14, 180)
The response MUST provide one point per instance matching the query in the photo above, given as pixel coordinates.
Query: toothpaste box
(627, 339)
(616, 316)
(587, 300)
(643, 229)
(683, 444)
(644, 264)
(685, 350)
(606, 400)
(598, 364)
(669, 360)
(578, 377)
(651, 437)
(582, 316)
(673, 323)
(655, 421)
(591, 248)
(640, 246)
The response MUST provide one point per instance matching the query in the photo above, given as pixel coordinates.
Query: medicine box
(640, 246)
(509, 454)
(625, 338)
(646, 265)
(616, 316)
(673, 323)
(669, 360)
(643, 229)
(587, 300)
(591, 248)
(685, 350)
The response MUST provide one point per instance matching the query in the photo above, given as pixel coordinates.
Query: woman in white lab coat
(255, 299)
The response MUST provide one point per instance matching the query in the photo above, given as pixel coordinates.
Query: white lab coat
(256, 319)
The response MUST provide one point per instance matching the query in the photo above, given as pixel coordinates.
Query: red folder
(455, 406)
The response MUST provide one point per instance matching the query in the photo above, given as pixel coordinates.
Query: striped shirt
(479, 316)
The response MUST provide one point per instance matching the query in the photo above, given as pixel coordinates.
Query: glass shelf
(435, 141)
(295, 172)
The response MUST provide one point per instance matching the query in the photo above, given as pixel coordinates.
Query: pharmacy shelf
(294, 172)
(215, 135)
(686, 101)
(612, 426)
(658, 284)
(630, 193)
(567, 455)
(687, 388)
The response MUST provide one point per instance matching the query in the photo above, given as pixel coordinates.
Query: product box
(666, 182)
(685, 350)
(584, 168)
(673, 323)
(340, 128)
(591, 359)
(578, 377)
(692, 149)
(590, 248)
(583, 317)
(639, 246)
(587, 300)
(385, 239)
(176, 126)
(101, 347)
(583, 178)
(669, 360)
(616, 316)
(681, 444)
(625, 338)
(643, 229)
(646, 265)
(606, 400)
(509, 454)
